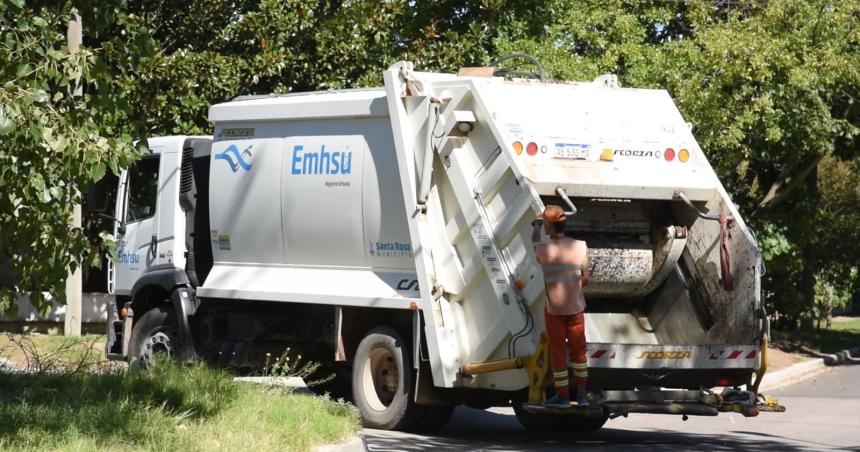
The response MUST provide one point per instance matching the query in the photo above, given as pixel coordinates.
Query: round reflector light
(532, 148)
(669, 154)
(683, 155)
(518, 147)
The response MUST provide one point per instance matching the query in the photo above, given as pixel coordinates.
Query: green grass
(849, 324)
(842, 335)
(171, 407)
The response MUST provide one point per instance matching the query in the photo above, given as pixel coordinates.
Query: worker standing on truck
(565, 268)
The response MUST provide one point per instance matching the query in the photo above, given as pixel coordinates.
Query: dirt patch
(42, 352)
(778, 359)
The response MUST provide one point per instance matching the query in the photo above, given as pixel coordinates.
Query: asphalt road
(823, 413)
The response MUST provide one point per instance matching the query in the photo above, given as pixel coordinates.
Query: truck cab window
(142, 189)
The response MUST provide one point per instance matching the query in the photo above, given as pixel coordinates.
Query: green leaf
(41, 97)
(7, 125)
(97, 172)
(23, 69)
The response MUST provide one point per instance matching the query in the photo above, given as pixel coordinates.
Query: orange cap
(553, 214)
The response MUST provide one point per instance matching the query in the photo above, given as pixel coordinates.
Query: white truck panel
(337, 201)
(634, 126)
(315, 105)
(343, 287)
(241, 201)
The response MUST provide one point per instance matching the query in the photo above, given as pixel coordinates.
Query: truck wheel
(382, 382)
(154, 334)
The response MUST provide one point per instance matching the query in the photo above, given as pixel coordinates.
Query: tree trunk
(810, 260)
(855, 298)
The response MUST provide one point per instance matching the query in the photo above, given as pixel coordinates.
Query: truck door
(137, 239)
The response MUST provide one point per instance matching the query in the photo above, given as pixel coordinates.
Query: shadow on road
(472, 429)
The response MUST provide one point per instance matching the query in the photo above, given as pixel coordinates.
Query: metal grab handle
(561, 192)
(683, 197)
(153, 246)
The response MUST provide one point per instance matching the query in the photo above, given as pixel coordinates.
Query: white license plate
(571, 151)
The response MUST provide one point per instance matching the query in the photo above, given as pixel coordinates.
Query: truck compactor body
(386, 234)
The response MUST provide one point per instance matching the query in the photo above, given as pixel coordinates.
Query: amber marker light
(520, 284)
(518, 147)
(683, 155)
(123, 313)
(606, 155)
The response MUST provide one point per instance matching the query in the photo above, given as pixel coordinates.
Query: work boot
(557, 401)
(582, 400)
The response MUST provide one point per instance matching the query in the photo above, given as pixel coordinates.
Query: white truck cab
(150, 217)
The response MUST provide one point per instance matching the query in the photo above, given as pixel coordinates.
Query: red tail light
(669, 154)
(532, 148)
(724, 381)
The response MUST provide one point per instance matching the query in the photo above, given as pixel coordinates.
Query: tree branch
(789, 178)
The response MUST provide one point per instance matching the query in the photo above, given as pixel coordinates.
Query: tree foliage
(52, 144)
(770, 88)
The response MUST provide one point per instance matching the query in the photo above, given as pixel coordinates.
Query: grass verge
(842, 335)
(170, 407)
(43, 352)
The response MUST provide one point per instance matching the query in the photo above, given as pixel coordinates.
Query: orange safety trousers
(566, 333)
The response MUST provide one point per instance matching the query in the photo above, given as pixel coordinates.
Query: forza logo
(637, 153)
(667, 354)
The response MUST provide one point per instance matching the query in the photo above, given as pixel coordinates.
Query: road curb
(792, 374)
(357, 443)
(295, 383)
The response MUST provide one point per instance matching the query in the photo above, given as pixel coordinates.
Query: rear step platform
(593, 409)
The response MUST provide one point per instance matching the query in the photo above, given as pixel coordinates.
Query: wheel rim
(161, 342)
(380, 379)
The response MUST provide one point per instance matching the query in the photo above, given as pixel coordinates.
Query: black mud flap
(115, 334)
(185, 302)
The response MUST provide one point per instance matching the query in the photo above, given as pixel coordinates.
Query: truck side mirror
(97, 195)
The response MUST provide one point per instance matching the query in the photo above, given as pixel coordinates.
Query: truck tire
(382, 382)
(154, 333)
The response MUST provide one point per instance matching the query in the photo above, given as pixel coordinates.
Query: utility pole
(74, 283)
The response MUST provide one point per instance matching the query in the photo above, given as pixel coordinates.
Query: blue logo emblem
(236, 159)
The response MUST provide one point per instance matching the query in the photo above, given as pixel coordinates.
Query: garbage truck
(386, 234)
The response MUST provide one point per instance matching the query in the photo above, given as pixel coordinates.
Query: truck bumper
(675, 357)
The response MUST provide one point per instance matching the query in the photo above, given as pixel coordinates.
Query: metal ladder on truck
(473, 263)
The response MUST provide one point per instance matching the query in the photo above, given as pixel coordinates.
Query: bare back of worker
(565, 273)
(565, 270)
